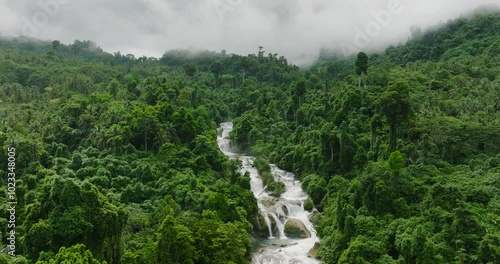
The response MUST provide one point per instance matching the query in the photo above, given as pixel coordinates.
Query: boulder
(294, 228)
(259, 226)
(285, 209)
(315, 217)
(312, 252)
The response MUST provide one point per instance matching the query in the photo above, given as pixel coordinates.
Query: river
(277, 248)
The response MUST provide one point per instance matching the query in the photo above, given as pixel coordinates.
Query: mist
(293, 28)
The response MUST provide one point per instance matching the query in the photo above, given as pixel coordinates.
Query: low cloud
(297, 29)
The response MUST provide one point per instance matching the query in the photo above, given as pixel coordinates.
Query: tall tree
(217, 69)
(174, 242)
(395, 106)
(361, 66)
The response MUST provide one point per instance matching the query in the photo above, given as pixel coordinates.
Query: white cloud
(295, 28)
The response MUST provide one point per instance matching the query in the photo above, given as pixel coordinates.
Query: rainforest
(115, 158)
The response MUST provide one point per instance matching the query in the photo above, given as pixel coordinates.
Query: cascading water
(289, 206)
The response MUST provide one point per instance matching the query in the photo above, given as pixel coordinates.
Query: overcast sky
(294, 28)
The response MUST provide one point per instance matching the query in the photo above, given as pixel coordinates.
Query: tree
(217, 69)
(261, 52)
(174, 243)
(396, 162)
(375, 123)
(231, 245)
(113, 87)
(56, 44)
(361, 66)
(74, 212)
(361, 250)
(144, 124)
(219, 203)
(38, 237)
(190, 69)
(395, 105)
(75, 254)
(218, 242)
(489, 248)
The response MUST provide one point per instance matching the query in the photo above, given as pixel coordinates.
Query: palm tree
(98, 137)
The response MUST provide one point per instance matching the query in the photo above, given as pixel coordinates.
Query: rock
(274, 227)
(315, 217)
(294, 228)
(260, 227)
(285, 209)
(269, 203)
(312, 252)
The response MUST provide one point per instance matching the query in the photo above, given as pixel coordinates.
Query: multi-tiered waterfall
(276, 211)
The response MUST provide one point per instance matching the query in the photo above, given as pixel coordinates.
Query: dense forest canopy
(117, 160)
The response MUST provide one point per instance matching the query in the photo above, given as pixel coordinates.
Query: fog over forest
(296, 29)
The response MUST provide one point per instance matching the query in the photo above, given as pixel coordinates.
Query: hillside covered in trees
(117, 160)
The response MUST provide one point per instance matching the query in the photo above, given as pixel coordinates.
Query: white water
(296, 250)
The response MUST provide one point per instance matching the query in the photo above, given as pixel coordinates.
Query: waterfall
(289, 206)
(280, 226)
(268, 222)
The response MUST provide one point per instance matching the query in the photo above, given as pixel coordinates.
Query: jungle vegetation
(117, 159)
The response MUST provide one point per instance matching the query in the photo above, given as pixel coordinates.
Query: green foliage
(316, 187)
(7, 259)
(190, 69)
(96, 133)
(262, 165)
(265, 174)
(275, 188)
(396, 162)
(174, 243)
(218, 242)
(308, 205)
(415, 150)
(119, 153)
(361, 63)
(77, 254)
(395, 106)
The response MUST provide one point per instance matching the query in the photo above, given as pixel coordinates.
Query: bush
(267, 178)
(262, 165)
(308, 205)
(276, 189)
